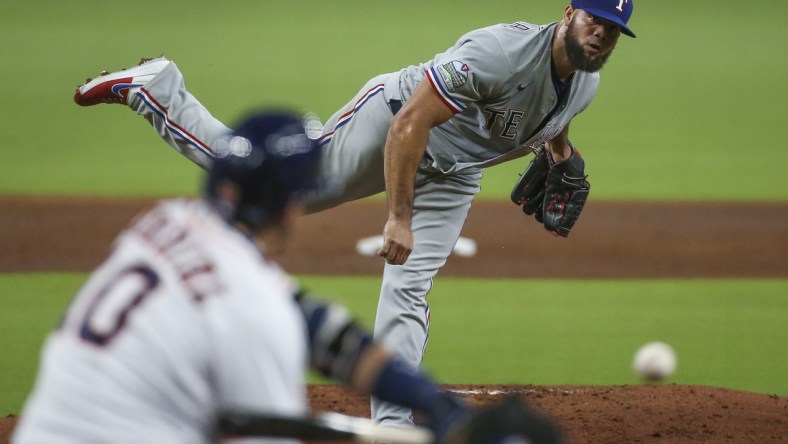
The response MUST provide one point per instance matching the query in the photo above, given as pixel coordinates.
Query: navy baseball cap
(617, 11)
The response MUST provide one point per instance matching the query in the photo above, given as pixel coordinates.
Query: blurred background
(694, 108)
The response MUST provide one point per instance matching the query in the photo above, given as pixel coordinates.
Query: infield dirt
(613, 240)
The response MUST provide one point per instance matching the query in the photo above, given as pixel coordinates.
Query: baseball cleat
(115, 87)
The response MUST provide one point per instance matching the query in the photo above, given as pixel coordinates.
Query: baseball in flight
(654, 361)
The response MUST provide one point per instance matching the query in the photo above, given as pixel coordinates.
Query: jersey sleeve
(474, 69)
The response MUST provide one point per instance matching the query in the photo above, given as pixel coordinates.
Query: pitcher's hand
(397, 242)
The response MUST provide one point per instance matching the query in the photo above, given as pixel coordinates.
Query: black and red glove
(554, 193)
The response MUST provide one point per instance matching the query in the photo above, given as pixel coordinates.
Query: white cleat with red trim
(117, 87)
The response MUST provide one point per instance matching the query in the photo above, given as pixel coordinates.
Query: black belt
(395, 106)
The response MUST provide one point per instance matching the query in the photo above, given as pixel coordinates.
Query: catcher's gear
(508, 421)
(554, 193)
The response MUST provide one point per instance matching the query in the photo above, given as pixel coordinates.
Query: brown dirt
(656, 413)
(612, 240)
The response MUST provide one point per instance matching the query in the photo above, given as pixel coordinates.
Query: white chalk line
(519, 391)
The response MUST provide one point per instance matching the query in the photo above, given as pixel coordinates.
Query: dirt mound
(673, 414)
(624, 414)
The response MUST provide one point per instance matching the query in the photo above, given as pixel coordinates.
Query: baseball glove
(554, 193)
(529, 190)
(505, 422)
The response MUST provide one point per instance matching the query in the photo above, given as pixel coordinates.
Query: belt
(395, 106)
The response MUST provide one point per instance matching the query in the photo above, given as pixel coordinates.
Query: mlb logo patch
(454, 74)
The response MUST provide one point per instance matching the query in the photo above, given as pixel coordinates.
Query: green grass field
(693, 109)
(585, 332)
(688, 110)
(512, 331)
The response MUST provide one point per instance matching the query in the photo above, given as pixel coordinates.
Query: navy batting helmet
(271, 157)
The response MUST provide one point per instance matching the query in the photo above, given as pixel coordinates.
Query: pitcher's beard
(577, 55)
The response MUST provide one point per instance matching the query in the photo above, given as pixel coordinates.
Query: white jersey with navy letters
(184, 318)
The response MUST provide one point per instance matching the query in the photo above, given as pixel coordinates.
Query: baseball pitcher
(423, 135)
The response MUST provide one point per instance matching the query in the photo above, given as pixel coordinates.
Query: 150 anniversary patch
(454, 74)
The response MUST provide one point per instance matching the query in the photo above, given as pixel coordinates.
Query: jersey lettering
(520, 26)
(111, 306)
(510, 127)
(620, 6)
(492, 116)
(187, 256)
(510, 121)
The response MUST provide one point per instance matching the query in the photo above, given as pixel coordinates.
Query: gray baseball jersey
(498, 80)
(183, 319)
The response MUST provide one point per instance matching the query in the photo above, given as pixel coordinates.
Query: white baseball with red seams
(655, 361)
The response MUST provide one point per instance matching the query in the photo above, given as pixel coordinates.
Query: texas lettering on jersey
(502, 123)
